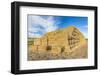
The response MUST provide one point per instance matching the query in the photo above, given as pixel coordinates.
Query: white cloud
(37, 26)
(34, 34)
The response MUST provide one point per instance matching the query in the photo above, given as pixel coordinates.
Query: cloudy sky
(38, 25)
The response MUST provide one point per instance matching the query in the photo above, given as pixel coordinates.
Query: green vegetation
(30, 41)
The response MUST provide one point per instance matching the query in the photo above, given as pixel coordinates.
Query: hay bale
(62, 43)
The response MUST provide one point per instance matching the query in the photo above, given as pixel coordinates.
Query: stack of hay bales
(59, 41)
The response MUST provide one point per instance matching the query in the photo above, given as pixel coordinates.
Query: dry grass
(78, 53)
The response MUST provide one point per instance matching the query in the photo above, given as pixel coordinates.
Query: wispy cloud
(38, 26)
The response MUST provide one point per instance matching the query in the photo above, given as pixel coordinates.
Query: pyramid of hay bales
(67, 38)
(59, 41)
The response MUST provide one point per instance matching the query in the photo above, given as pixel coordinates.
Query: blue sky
(38, 25)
